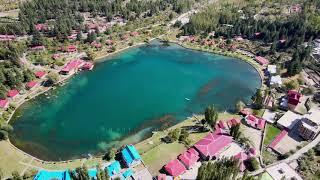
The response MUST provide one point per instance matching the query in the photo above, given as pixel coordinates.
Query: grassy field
(271, 133)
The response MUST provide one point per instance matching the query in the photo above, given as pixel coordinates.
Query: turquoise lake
(127, 97)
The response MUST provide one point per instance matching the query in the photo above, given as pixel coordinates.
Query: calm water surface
(124, 99)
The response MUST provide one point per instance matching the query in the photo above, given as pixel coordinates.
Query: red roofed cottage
(261, 60)
(4, 103)
(175, 168)
(189, 158)
(13, 93)
(40, 74)
(31, 85)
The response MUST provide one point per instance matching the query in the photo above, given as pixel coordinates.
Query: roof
(130, 154)
(221, 125)
(40, 74)
(12, 93)
(241, 156)
(72, 65)
(289, 119)
(189, 158)
(233, 122)
(3, 103)
(262, 60)
(255, 122)
(212, 144)
(92, 173)
(37, 47)
(313, 115)
(293, 97)
(142, 174)
(276, 80)
(278, 138)
(175, 168)
(127, 173)
(114, 168)
(272, 69)
(45, 175)
(283, 170)
(31, 84)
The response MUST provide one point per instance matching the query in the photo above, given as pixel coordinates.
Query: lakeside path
(22, 161)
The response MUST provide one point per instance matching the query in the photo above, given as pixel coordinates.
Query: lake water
(122, 100)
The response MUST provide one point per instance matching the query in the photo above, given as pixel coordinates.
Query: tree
(16, 176)
(253, 164)
(257, 99)
(102, 174)
(235, 132)
(111, 154)
(1, 173)
(239, 106)
(222, 169)
(174, 134)
(53, 78)
(37, 39)
(4, 135)
(91, 55)
(211, 115)
(81, 173)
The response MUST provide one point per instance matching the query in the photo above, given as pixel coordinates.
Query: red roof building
(277, 139)
(56, 56)
(211, 145)
(255, 122)
(189, 158)
(261, 60)
(175, 168)
(88, 66)
(221, 125)
(72, 66)
(238, 38)
(253, 152)
(40, 74)
(241, 157)
(96, 44)
(70, 49)
(38, 48)
(294, 97)
(245, 112)
(124, 37)
(41, 27)
(257, 34)
(13, 93)
(233, 122)
(31, 84)
(109, 42)
(134, 33)
(5, 37)
(4, 103)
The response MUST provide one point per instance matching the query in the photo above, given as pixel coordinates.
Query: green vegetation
(223, 169)
(81, 173)
(257, 99)
(239, 106)
(271, 133)
(211, 116)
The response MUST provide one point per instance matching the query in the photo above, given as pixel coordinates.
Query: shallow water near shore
(125, 98)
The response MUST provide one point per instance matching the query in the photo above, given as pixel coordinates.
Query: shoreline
(99, 59)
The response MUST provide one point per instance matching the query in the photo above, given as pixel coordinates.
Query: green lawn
(271, 133)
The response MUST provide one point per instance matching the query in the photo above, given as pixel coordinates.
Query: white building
(288, 120)
(282, 171)
(275, 81)
(272, 69)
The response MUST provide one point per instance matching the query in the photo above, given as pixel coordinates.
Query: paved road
(294, 156)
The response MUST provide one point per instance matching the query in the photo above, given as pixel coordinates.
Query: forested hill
(67, 13)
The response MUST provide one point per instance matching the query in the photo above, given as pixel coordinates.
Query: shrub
(253, 164)
(111, 154)
(174, 134)
(4, 135)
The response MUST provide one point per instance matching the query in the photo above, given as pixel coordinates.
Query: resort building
(293, 99)
(233, 122)
(32, 84)
(268, 101)
(261, 60)
(38, 48)
(277, 139)
(72, 67)
(210, 146)
(4, 104)
(309, 126)
(114, 168)
(275, 81)
(44, 175)
(69, 49)
(189, 158)
(255, 122)
(175, 168)
(88, 66)
(13, 93)
(288, 120)
(241, 157)
(40, 74)
(5, 37)
(282, 171)
(130, 156)
(272, 69)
